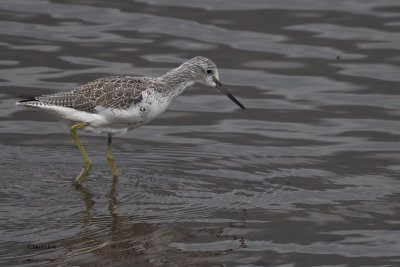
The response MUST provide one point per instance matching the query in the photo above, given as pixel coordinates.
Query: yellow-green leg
(87, 163)
(110, 157)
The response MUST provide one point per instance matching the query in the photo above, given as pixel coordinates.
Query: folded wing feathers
(109, 92)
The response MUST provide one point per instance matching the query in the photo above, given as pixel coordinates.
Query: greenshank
(120, 103)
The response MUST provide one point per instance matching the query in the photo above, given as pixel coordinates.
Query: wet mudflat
(307, 175)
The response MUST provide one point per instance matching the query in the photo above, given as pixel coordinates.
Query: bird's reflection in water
(126, 240)
(111, 196)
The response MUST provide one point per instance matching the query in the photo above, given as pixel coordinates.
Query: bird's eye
(209, 71)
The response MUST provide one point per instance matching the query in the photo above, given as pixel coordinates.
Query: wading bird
(120, 103)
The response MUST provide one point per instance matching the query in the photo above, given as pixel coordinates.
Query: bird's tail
(27, 102)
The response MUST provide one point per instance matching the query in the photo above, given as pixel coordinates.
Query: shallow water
(307, 175)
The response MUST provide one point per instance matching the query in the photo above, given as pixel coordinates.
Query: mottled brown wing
(64, 99)
(109, 92)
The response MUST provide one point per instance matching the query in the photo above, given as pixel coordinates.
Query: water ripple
(307, 173)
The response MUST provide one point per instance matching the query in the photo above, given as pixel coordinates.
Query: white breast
(121, 120)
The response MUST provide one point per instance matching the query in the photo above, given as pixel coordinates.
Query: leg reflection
(111, 196)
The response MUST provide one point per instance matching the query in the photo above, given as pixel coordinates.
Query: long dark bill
(218, 84)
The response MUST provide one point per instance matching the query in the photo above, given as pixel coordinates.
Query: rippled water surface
(307, 175)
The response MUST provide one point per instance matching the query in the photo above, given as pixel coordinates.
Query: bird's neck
(176, 81)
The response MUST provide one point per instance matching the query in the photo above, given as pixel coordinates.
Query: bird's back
(108, 92)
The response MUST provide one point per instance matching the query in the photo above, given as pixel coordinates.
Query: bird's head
(204, 71)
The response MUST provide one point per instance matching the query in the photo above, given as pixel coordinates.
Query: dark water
(308, 175)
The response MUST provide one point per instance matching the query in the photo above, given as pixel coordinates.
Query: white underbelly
(119, 121)
(110, 120)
